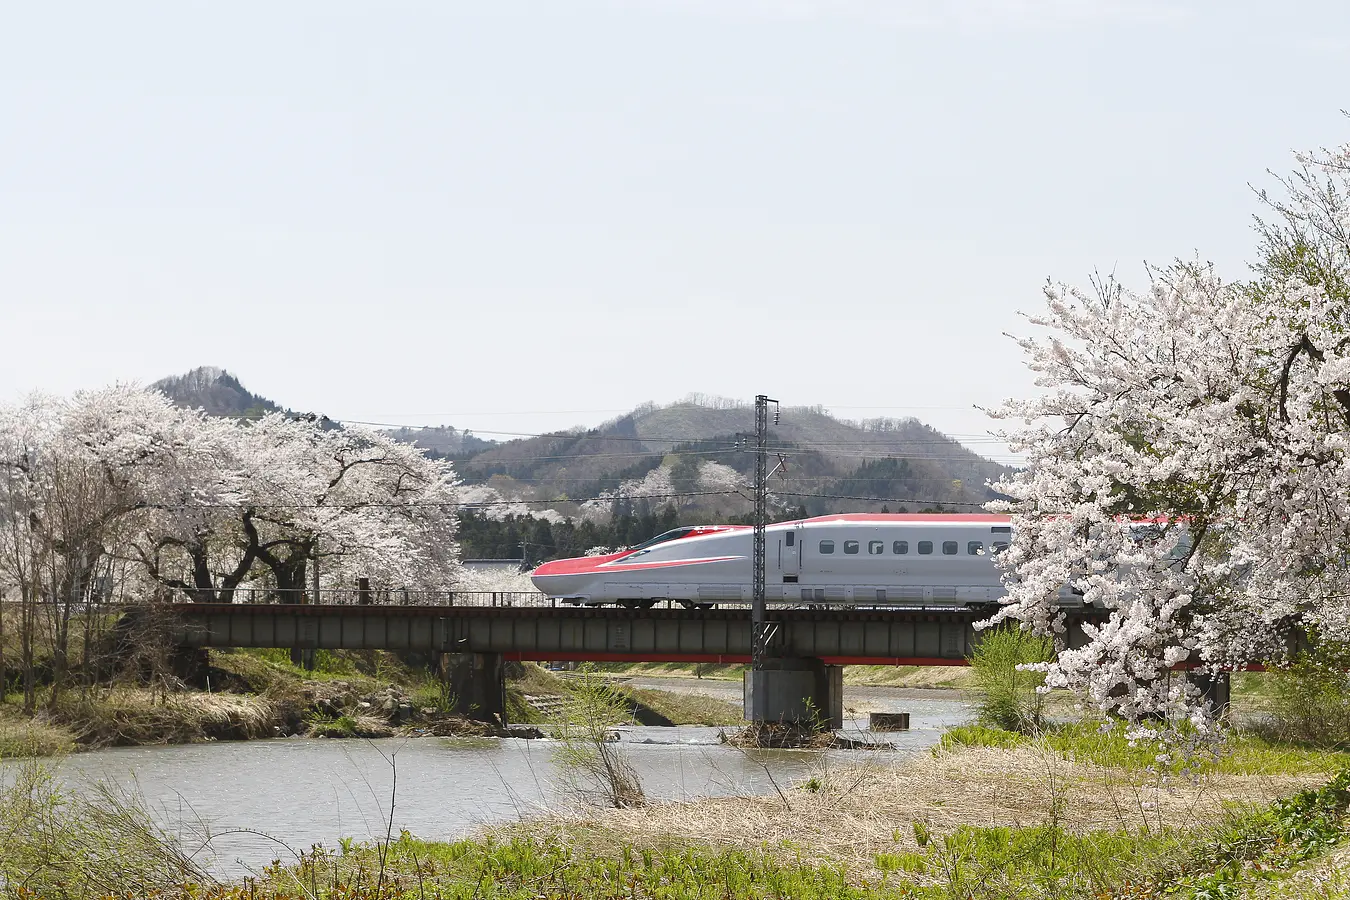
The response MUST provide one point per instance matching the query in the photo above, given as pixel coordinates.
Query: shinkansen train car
(859, 559)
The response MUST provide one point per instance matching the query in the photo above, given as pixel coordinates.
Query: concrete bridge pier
(796, 690)
(1216, 688)
(477, 682)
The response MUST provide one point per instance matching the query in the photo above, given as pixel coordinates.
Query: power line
(422, 504)
(880, 499)
(973, 438)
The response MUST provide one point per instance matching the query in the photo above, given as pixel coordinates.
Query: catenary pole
(758, 626)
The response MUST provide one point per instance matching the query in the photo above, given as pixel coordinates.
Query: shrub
(96, 843)
(341, 727)
(1310, 699)
(1008, 696)
(587, 754)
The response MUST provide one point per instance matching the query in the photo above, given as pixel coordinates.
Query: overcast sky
(526, 215)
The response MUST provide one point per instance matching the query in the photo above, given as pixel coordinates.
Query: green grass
(364, 669)
(1242, 754)
(1254, 848)
(341, 727)
(679, 708)
(544, 870)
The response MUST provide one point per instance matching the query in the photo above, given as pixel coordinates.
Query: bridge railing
(382, 597)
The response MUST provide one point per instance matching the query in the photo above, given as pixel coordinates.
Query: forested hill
(216, 391)
(686, 455)
(692, 448)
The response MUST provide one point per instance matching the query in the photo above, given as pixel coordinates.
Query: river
(306, 791)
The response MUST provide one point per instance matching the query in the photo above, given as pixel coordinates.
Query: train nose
(555, 579)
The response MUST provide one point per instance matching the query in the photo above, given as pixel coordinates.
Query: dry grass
(22, 737)
(132, 716)
(687, 708)
(941, 677)
(1326, 878)
(850, 814)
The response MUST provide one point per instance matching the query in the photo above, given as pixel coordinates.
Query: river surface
(304, 791)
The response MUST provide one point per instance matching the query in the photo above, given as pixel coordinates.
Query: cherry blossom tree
(354, 501)
(75, 477)
(202, 505)
(1188, 464)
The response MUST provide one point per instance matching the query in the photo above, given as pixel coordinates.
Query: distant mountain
(832, 465)
(216, 391)
(694, 448)
(443, 440)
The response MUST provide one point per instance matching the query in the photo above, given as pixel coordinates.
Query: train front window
(671, 535)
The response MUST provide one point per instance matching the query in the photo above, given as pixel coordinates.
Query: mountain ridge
(831, 465)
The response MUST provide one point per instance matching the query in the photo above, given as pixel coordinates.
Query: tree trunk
(4, 673)
(27, 627)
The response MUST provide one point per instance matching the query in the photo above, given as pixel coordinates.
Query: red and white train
(857, 559)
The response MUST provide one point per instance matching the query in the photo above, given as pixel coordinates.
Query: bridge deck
(605, 634)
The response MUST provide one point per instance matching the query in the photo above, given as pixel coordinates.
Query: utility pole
(759, 628)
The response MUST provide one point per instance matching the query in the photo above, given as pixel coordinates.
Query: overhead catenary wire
(430, 504)
(472, 504)
(881, 499)
(718, 445)
(587, 435)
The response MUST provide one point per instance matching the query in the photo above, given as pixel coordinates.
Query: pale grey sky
(481, 213)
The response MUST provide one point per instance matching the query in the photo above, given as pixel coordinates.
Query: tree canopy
(119, 486)
(1214, 416)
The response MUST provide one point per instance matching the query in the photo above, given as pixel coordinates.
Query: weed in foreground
(589, 760)
(101, 842)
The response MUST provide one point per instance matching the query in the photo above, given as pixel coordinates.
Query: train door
(790, 553)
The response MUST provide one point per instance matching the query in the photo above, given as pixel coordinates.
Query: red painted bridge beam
(738, 659)
(721, 658)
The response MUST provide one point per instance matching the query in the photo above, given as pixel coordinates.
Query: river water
(305, 791)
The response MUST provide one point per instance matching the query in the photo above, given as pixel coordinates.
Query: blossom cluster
(120, 488)
(1187, 465)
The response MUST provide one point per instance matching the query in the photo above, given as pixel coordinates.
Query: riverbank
(1072, 814)
(919, 677)
(252, 695)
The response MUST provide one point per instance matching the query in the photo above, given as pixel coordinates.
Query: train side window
(791, 538)
(876, 548)
(925, 548)
(998, 546)
(900, 547)
(850, 547)
(827, 547)
(975, 548)
(949, 548)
